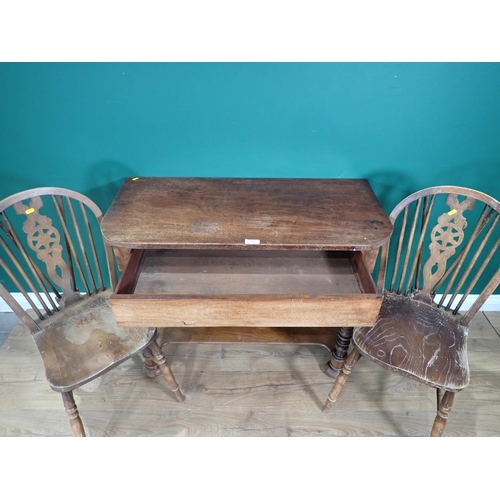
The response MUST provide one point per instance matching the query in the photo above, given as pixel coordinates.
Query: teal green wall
(86, 126)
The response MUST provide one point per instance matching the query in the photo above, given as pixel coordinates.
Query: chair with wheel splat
(52, 251)
(444, 247)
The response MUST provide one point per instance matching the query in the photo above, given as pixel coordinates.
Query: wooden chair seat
(84, 341)
(417, 340)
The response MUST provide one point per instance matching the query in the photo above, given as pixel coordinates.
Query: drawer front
(210, 311)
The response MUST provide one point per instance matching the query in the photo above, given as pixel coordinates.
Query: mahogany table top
(241, 213)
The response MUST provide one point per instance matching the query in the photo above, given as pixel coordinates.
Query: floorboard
(248, 391)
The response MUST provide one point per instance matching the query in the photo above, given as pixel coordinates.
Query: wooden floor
(248, 390)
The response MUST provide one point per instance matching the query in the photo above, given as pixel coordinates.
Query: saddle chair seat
(84, 341)
(417, 340)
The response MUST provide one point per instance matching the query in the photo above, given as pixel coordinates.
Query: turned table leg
(339, 352)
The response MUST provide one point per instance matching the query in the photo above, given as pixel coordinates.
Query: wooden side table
(285, 259)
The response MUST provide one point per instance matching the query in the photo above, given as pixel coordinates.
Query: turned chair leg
(444, 408)
(439, 397)
(153, 352)
(150, 368)
(74, 416)
(342, 378)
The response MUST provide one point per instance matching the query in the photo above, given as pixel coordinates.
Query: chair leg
(442, 415)
(342, 378)
(439, 397)
(153, 351)
(150, 368)
(74, 416)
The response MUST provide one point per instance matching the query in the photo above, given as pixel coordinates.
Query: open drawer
(254, 288)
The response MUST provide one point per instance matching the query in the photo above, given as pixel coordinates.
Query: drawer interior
(249, 272)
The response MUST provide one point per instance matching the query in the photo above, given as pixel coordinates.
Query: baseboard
(492, 304)
(22, 301)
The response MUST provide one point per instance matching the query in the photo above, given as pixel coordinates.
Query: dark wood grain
(328, 214)
(420, 340)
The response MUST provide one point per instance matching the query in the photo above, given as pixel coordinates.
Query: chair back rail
(51, 247)
(445, 244)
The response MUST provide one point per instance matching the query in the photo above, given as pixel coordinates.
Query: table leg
(339, 352)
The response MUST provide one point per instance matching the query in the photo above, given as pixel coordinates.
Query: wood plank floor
(248, 390)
